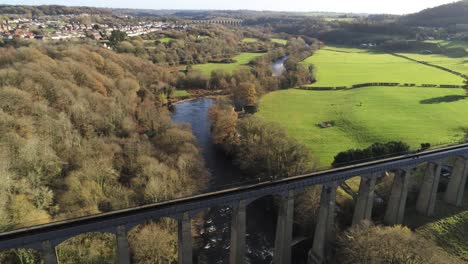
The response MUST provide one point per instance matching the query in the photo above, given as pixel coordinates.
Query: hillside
(50, 10)
(441, 16)
(83, 130)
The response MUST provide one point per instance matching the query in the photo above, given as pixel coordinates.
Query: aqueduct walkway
(46, 237)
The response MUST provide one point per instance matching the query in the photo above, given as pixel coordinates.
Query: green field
(446, 44)
(241, 61)
(455, 64)
(181, 93)
(165, 40)
(249, 40)
(345, 67)
(279, 41)
(413, 115)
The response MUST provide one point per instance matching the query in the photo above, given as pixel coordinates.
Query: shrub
(154, 243)
(265, 150)
(380, 245)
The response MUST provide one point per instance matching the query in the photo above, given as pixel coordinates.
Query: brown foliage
(378, 245)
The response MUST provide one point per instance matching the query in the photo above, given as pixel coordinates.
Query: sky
(348, 6)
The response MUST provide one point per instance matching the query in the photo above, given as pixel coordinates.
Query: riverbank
(198, 94)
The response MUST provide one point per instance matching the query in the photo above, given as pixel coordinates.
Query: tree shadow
(443, 99)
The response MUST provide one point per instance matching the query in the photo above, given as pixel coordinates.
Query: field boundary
(383, 84)
(431, 65)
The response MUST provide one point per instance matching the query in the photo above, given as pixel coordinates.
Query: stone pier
(284, 226)
(428, 194)
(184, 234)
(48, 253)
(324, 230)
(395, 211)
(365, 199)
(123, 249)
(457, 183)
(238, 231)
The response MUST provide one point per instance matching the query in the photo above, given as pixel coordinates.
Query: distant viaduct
(230, 22)
(46, 237)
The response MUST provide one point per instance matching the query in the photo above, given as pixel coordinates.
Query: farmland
(241, 60)
(346, 67)
(249, 40)
(413, 115)
(279, 41)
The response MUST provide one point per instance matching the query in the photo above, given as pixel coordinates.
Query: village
(68, 27)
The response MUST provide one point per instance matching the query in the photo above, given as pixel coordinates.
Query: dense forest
(83, 130)
(442, 16)
(50, 10)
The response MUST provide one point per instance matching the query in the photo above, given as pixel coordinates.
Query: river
(277, 67)
(214, 232)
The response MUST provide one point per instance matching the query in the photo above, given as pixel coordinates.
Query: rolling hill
(441, 16)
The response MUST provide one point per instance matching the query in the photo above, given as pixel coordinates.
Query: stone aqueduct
(230, 22)
(46, 237)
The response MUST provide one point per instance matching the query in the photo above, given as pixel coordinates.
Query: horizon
(397, 7)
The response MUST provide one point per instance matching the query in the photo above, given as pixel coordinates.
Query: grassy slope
(249, 40)
(181, 93)
(241, 60)
(344, 67)
(387, 113)
(451, 44)
(165, 40)
(279, 41)
(449, 233)
(448, 227)
(455, 64)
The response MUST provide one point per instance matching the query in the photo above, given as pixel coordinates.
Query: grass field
(456, 64)
(249, 40)
(165, 40)
(450, 234)
(181, 93)
(241, 61)
(446, 44)
(345, 67)
(279, 41)
(413, 115)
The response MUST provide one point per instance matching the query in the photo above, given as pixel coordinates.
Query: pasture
(241, 60)
(249, 40)
(448, 230)
(345, 67)
(181, 93)
(165, 40)
(447, 45)
(367, 115)
(455, 64)
(279, 41)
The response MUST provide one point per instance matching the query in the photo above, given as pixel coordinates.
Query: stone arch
(20, 255)
(97, 247)
(212, 231)
(264, 226)
(156, 240)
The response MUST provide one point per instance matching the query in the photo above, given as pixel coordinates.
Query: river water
(277, 67)
(214, 233)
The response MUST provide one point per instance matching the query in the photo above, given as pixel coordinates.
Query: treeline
(262, 150)
(246, 85)
(446, 16)
(374, 152)
(195, 47)
(203, 44)
(361, 85)
(50, 10)
(83, 130)
(364, 30)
